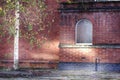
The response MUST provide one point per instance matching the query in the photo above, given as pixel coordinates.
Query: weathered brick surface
(106, 27)
(106, 30)
(47, 52)
(89, 55)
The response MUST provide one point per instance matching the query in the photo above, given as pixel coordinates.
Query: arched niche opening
(83, 32)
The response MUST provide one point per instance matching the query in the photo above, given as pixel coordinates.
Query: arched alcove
(83, 32)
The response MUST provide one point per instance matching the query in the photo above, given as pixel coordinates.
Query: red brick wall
(106, 27)
(106, 55)
(47, 52)
(106, 31)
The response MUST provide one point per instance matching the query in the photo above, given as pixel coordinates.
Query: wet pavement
(58, 75)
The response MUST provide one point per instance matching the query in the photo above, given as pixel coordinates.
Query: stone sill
(88, 46)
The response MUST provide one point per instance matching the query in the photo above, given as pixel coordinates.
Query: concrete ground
(58, 75)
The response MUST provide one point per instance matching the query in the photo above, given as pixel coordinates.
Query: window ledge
(89, 46)
(83, 44)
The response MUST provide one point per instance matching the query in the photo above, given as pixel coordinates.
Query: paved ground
(58, 75)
